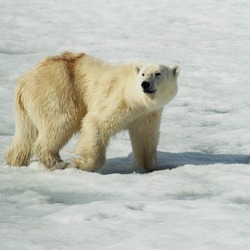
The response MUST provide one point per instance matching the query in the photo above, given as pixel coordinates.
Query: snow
(200, 197)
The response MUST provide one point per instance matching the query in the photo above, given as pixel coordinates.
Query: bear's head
(158, 82)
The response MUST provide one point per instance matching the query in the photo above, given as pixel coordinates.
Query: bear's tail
(20, 150)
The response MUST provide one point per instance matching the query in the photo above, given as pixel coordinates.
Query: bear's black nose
(145, 85)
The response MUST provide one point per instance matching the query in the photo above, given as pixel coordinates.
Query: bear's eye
(158, 74)
(143, 74)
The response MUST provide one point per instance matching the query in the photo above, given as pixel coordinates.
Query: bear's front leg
(91, 148)
(144, 136)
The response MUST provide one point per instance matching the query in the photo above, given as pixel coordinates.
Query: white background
(200, 197)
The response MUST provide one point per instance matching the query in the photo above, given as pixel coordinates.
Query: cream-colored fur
(76, 92)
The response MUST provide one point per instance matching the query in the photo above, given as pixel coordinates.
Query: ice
(200, 196)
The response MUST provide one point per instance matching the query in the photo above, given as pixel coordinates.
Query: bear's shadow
(168, 161)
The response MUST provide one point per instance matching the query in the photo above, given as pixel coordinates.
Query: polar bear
(73, 93)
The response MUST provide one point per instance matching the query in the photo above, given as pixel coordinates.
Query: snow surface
(200, 197)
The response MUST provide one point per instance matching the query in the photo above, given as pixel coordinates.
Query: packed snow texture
(200, 197)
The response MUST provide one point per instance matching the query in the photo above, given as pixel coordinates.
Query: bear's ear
(176, 70)
(137, 68)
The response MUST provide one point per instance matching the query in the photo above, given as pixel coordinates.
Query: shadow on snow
(173, 160)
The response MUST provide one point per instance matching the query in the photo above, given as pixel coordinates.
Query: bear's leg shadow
(20, 150)
(144, 136)
(91, 149)
(49, 141)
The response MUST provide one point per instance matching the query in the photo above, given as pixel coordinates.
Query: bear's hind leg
(21, 147)
(48, 144)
